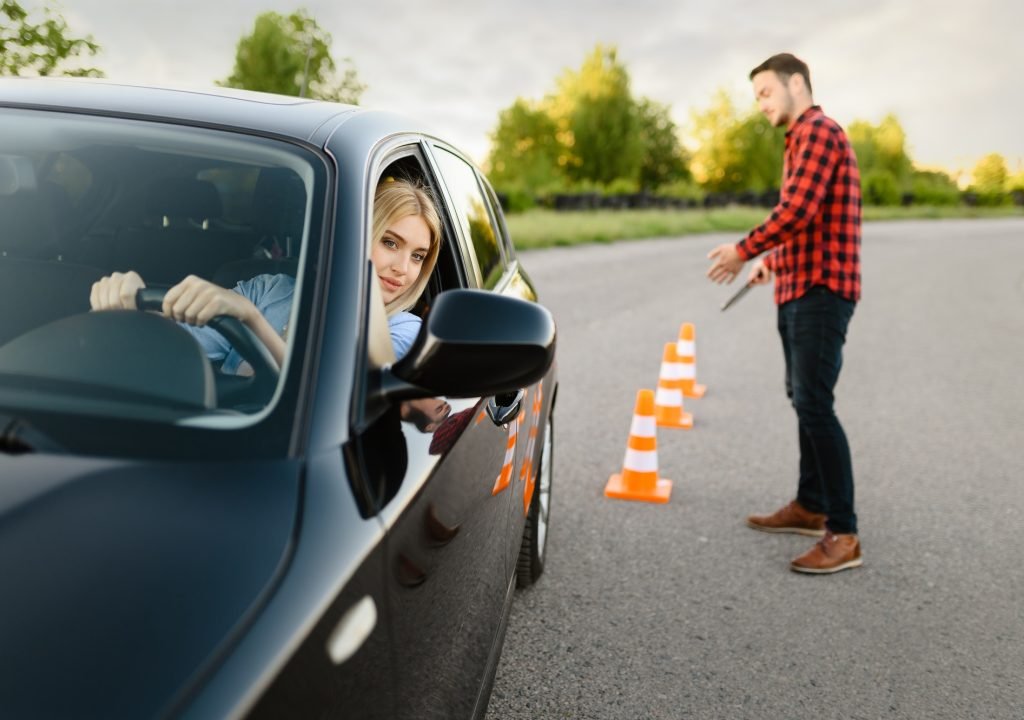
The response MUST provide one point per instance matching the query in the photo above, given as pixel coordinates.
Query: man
(811, 241)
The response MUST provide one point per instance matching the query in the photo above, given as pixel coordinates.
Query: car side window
(499, 219)
(470, 206)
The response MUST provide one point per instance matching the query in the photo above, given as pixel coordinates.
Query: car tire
(535, 535)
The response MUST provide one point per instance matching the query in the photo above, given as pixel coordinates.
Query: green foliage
(990, 174)
(934, 188)
(735, 152)
(621, 186)
(588, 135)
(682, 189)
(880, 187)
(41, 48)
(596, 107)
(526, 155)
(291, 55)
(882, 147)
(1016, 182)
(664, 160)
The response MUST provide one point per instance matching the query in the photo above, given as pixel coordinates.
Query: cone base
(697, 391)
(620, 490)
(683, 422)
(501, 483)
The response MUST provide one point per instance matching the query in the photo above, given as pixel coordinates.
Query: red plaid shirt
(815, 229)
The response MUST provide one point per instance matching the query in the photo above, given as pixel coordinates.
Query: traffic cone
(686, 349)
(505, 477)
(668, 400)
(639, 477)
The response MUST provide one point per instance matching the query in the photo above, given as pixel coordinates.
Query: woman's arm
(196, 301)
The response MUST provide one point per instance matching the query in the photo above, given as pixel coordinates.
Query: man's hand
(115, 291)
(727, 263)
(759, 274)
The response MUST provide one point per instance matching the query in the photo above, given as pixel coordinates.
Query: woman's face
(399, 255)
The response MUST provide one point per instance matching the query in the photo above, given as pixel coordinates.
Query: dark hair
(784, 65)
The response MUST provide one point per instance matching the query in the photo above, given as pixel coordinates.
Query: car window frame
(466, 243)
(385, 153)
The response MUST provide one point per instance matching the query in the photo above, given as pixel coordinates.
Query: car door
(446, 521)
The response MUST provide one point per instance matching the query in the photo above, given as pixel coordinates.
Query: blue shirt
(272, 296)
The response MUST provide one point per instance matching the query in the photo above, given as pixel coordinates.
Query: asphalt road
(679, 610)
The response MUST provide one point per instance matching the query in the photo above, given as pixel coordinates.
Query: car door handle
(502, 408)
(352, 630)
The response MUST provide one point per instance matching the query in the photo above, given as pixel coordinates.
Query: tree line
(589, 138)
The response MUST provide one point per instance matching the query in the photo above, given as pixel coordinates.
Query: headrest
(16, 173)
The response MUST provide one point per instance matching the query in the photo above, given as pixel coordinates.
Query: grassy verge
(544, 228)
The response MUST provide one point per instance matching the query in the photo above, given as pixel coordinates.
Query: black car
(294, 541)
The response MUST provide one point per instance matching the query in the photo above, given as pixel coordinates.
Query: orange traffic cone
(639, 478)
(686, 349)
(668, 400)
(505, 477)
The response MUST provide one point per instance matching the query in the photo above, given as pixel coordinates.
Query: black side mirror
(474, 344)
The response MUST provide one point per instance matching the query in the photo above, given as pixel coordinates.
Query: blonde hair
(397, 199)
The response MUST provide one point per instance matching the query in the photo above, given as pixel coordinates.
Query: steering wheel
(265, 372)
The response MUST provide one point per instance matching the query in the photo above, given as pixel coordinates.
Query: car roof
(293, 117)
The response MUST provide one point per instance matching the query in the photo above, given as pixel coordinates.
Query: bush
(516, 199)
(681, 190)
(931, 189)
(977, 198)
(880, 188)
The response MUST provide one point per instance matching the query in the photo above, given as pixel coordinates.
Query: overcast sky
(950, 71)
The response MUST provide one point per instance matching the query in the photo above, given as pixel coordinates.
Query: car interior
(71, 215)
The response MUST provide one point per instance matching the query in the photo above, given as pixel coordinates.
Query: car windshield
(83, 197)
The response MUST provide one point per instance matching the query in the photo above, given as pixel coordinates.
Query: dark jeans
(813, 330)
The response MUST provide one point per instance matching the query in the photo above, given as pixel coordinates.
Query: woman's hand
(116, 291)
(195, 301)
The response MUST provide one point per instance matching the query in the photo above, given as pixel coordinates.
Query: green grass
(544, 228)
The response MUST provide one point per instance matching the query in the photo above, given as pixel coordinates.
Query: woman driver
(406, 241)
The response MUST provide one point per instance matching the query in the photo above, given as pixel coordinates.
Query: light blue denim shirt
(272, 296)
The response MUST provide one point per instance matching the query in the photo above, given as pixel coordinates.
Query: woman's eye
(418, 257)
(388, 242)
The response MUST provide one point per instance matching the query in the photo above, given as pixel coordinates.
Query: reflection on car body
(326, 535)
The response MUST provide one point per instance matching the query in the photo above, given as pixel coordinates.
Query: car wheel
(535, 534)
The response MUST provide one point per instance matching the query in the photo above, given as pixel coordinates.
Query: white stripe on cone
(671, 371)
(686, 348)
(641, 460)
(689, 371)
(668, 397)
(643, 426)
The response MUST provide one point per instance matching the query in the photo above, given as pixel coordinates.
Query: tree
(526, 154)
(735, 152)
(291, 55)
(589, 132)
(41, 48)
(882, 147)
(595, 107)
(990, 174)
(664, 160)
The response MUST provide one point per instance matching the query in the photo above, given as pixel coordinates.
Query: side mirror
(474, 344)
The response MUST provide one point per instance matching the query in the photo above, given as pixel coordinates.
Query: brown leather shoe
(834, 552)
(791, 518)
